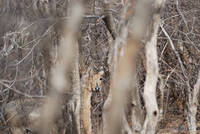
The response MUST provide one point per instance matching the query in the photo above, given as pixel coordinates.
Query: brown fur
(89, 82)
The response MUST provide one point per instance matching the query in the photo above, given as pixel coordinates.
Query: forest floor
(176, 124)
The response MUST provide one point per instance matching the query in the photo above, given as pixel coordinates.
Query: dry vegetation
(98, 66)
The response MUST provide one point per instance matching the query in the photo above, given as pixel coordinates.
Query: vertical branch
(109, 125)
(122, 83)
(58, 74)
(146, 25)
(193, 107)
(151, 80)
(137, 113)
(76, 89)
(109, 20)
(161, 87)
(121, 72)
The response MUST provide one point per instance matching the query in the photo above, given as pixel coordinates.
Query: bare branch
(191, 104)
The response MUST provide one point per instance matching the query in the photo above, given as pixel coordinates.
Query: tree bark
(147, 18)
(193, 107)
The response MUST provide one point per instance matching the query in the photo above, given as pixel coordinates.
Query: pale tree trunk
(137, 115)
(76, 90)
(193, 107)
(147, 18)
(114, 120)
(151, 81)
(114, 116)
(114, 105)
(122, 78)
(146, 21)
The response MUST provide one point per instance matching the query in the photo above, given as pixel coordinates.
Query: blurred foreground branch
(59, 82)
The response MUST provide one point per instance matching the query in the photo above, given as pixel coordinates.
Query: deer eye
(100, 79)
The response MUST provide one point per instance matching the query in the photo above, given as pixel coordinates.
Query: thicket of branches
(32, 51)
